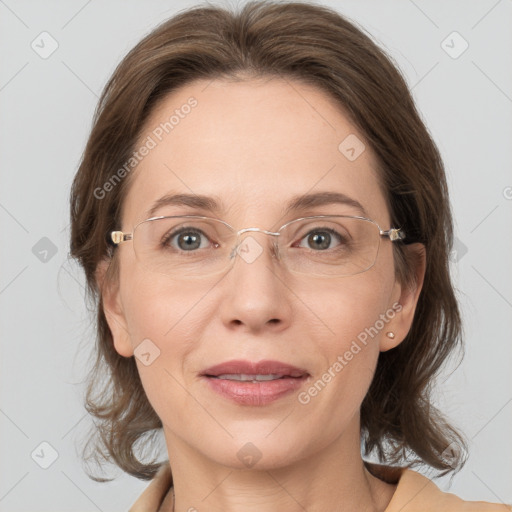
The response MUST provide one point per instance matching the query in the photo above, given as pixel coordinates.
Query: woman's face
(254, 146)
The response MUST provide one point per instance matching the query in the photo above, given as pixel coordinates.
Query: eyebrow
(296, 203)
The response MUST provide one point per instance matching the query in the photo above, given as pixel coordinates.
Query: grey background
(46, 110)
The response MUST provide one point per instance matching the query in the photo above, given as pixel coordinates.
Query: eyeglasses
(196, 246)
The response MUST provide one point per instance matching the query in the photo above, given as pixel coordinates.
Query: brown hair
(318, 46)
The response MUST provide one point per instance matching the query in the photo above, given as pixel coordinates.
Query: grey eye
(185, 239)
(321, 239)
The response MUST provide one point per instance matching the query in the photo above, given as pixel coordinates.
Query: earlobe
(408, 294)
(113, 310)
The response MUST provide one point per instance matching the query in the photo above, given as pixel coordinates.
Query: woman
(264, 221)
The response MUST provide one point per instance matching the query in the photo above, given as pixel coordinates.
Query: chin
(256, 449)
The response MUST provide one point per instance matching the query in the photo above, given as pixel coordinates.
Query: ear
(405, 298)
(113, 309)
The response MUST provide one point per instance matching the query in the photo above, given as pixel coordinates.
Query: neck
(334, 478)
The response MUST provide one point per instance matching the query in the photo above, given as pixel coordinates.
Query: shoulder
(417, 493)
(156, 495)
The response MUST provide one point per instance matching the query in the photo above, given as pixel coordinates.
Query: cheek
(353, 308)
(356, 314)
(162, 319)
(157, 307)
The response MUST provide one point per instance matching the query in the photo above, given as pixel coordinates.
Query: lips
(245, 369)
(248, 383)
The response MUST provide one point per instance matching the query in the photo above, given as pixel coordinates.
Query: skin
(254, 144)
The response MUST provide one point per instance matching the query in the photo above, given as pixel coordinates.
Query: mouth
(267, 369)
(249, 383)
(242, 377)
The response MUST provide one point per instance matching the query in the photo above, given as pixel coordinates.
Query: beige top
(414, 493)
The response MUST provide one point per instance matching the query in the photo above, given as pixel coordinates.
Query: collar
(414, 493)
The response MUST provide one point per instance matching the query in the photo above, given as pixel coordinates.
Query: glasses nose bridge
(241, 231)
(253, 230)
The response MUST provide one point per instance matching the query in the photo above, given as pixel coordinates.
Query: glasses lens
(184, 246)
(199, 246)
(330, 246)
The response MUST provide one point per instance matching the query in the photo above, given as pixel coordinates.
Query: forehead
(252, 145)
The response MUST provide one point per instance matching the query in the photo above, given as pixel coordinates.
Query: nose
(255, 294)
